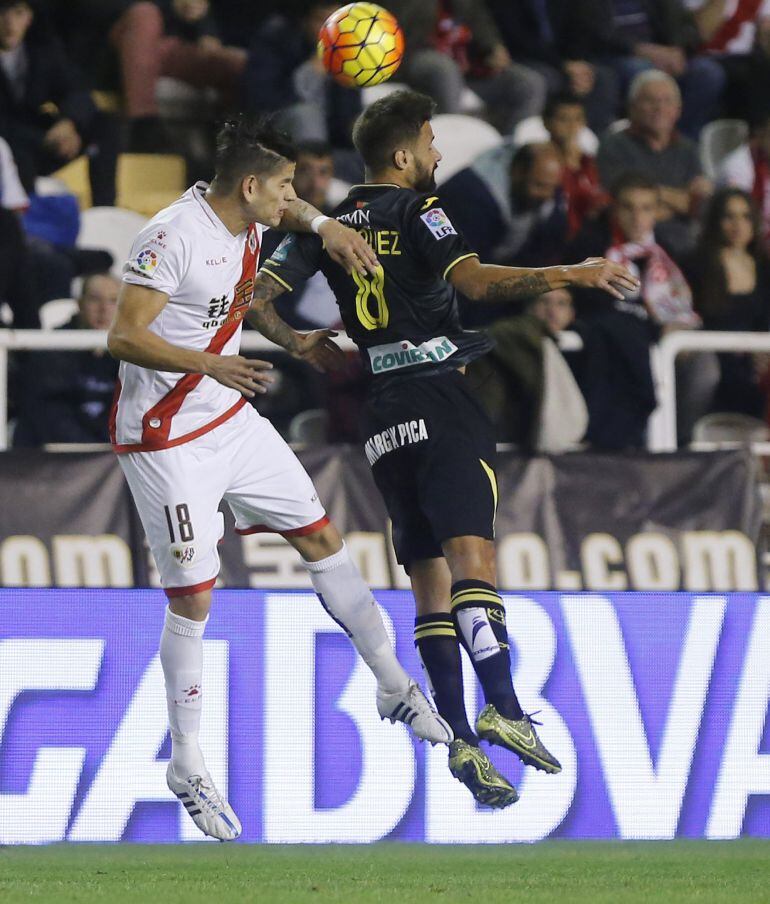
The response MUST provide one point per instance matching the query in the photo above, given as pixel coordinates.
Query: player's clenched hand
(599, 273)
(317, 349)
(247, 375)
(349, 249)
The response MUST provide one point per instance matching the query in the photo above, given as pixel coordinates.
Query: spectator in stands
(651, 145)
(176, 38)
(454, 44)
(46, 114)
(565, 119)
(556, 309)
(730, 275)
(736, 33)
(66, 396)
(519, 212)
(633, 36)
(748, 167)
(617, 379)
(18, 288)
(314, 305)
(285, 74)
(542, 35)
(81, 26)
(12, 194)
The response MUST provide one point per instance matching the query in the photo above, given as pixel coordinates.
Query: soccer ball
(361, 44)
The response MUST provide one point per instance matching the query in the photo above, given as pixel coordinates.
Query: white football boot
(203, 802)
(411, 707)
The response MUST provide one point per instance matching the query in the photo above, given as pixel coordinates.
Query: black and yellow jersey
(404, 318)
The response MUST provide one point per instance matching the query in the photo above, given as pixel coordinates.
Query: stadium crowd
(638, 130)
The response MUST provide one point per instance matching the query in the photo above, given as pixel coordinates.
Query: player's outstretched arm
(343, 244)
(488, 282)
(316, 347)
(129, 339)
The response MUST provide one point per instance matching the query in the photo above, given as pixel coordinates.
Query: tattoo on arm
(263, 316)
(298, 216)
(517, 287)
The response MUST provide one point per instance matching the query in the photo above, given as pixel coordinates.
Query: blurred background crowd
(638, 130)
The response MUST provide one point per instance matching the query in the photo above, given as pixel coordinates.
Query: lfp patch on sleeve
(146, 262)
(439, 223)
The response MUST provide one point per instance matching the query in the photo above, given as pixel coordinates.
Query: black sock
(479, 616)
(436, 641)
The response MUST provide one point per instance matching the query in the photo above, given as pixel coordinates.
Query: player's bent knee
(319, 545)
(194, 606)
(470, 558)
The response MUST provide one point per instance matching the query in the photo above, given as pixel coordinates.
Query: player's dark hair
(561, 99)
(388, 124)
(314, 148)
(631, 181)
(250, 145)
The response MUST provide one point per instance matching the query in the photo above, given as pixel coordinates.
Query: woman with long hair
(730, 277)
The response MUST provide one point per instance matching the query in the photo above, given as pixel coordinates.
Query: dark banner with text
(684, 521)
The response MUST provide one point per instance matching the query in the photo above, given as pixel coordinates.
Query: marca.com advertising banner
(685, 521)
(654, 703)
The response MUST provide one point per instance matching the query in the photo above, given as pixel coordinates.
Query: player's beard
(425, 179)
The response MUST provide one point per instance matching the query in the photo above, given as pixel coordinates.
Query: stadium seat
(111, 228)
(57, 312)
(718, 139)
(461, 139)
(310, 428)
(179, 101)
(620, 125)
(532, 130)
(338, 191)
(730, 427)
(149, 182)
(74, 176)
(470, 102)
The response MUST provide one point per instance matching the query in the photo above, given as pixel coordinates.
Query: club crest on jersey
(147, 261)
(184, 554)
(439, 223)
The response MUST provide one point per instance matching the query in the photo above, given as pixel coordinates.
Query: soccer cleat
(471, 766)
(411, 707)
(209, 812)
(517, 735)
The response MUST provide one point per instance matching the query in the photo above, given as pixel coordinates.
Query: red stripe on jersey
(156, 423)
(123, 448)
(112, 423)
(746, 11)
(171, 592)
(295, 532)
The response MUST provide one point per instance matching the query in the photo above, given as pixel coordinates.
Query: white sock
(350, 603)
(181, 655)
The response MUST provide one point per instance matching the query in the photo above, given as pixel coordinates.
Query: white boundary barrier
(661, 429)
(85, 340)
(662, 425)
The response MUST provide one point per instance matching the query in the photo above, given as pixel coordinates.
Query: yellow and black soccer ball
(361, 44)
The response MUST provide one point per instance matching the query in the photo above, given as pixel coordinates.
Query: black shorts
(431, 447)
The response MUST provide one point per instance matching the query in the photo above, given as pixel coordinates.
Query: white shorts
(177, 491)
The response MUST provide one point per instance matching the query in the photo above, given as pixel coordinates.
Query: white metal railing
(661, 430)
(662, 425)
(87, 340)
